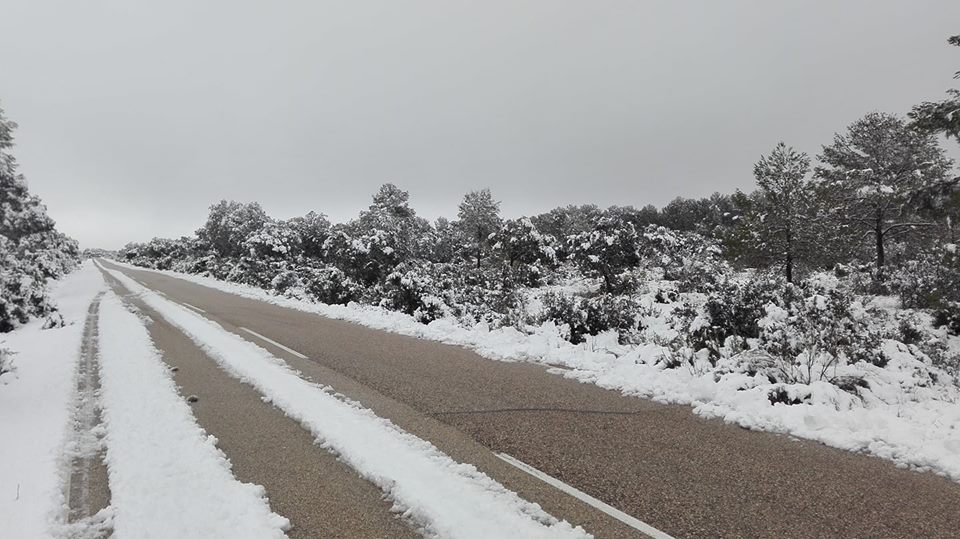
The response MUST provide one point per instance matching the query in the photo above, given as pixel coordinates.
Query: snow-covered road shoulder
(36, 402)
(167, 477)
(448, 499)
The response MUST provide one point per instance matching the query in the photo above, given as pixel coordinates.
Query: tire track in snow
(86, 488)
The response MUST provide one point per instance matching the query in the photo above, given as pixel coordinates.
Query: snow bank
(903, 416)
(35, 410)
(167, 477)
(449, 499)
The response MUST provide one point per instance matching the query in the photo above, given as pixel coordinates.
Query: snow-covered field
(903, 416)
(36, 402)
(446, 498)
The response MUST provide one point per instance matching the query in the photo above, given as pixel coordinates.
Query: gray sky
(134, 118)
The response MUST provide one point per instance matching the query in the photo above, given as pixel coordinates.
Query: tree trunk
(880, 254)
(789, 257)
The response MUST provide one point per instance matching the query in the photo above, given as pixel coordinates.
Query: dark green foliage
(592, 316)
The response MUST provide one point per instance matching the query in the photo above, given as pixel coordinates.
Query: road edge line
(633, 522)
(273, 342)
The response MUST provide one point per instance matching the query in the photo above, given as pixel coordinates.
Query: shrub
(692, 260)
(930, 280)
(329, 285)
(592, 316)
(815, 329)
(734, 309)
(948, 315)
(414, 292)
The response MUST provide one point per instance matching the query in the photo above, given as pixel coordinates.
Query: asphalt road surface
(684, 475)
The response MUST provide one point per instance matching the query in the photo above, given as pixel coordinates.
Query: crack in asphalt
(533, 409)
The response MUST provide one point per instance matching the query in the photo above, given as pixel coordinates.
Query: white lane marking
(198, 309)
(634, 523)
(273, 342)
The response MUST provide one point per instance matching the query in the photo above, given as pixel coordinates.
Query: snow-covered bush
(31, 249)
(276, 239)
(815, 329)
(414, 292)
(578, 317)
(6, 361)
(691, 260)
(930, 280)
(329, 285)
(948, 316)
(367, 257)
(732, 312)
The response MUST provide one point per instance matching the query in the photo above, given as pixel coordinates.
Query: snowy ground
(446, 498)
(903, 416)
(35, 411)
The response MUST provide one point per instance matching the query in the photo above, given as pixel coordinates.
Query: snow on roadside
(449, 499)
(167, 477)
(35, 410)
(902, 417)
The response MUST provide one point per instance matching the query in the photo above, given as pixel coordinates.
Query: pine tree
(479, 217)
(940, 116)
(230, 224)
(874, 177)
(391, 218)
(782, 215)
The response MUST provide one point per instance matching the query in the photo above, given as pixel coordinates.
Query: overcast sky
(136, 116)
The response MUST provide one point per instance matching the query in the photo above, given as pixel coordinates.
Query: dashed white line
(273, 342)
(634, 523)
(198, 309)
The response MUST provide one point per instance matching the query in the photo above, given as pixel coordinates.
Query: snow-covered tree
(275, 239)
(31, 249)
(391, 218)
(606, 251)
(442, 241)
(783, 211)
(941, 116)
(524, 248)
(230, 224)
(479, 217)
(874, 176)
(313, 230)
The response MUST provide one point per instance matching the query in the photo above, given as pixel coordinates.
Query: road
(684, 475)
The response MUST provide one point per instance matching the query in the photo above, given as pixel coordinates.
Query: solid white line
(198, 309)
(586, 498)
(275, 343)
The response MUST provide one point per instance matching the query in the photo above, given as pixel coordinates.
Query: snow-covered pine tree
(313, 230)
(479, 217)
(229, 224)
(873, 176)
(606, 251)
(391, 218)
(524, 249)
(940, 116)
(781, 218)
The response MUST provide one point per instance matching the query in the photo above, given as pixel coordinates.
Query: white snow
(35, 411)
(449, 499)
(902, 416)
(167, 477)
